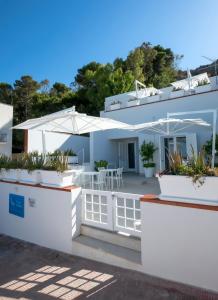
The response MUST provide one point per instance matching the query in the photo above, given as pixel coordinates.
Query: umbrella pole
(43, 144)
(160, 154)
(214, 139)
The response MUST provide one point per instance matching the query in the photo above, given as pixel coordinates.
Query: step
(105, 252)
(115, 238)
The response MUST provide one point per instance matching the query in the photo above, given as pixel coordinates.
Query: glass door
(174, 144)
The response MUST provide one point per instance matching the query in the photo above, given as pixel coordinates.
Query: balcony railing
(170, 94)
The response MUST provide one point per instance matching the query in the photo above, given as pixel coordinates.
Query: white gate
(112, 211)
(97, 209)
(127, 213)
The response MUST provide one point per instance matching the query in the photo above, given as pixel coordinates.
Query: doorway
(127, 155)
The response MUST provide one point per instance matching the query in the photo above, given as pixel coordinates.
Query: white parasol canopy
(70, 121)
(191, 81)
(168, 126)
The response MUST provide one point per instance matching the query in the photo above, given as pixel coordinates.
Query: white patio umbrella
(168, 126)
(69, 121)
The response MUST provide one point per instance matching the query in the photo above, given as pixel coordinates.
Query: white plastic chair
(118, 177)
(100, 181)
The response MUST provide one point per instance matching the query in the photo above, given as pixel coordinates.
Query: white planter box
(149, 172)
(203, 88)
(56, 179)
(73, 160)
(182, 188)
(176, 94)
(10, 175)
(33, 177)
(115, 106)
(133, 103)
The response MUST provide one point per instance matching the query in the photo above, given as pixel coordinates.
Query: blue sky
(53, 38)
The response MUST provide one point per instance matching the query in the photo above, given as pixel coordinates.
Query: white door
(127, 156)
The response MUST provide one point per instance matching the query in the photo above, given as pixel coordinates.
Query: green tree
(24, 90)
(59, 89)
(6, 93)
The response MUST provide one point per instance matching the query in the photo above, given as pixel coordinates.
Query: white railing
(112, 211)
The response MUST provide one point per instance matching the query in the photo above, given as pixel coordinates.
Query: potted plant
(115, 105)
(72, 157)
(194, 181)
(154, 96)
(177, 92)
(133, 102)
(203, 86)
(55, 172)
(8, 169)
(101, 164)
(147, 152)
(208, 149)
(29, 169)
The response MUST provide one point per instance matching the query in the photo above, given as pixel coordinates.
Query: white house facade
(6, 121)
(121, 147)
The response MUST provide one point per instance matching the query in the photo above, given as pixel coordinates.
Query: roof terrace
(192, 85)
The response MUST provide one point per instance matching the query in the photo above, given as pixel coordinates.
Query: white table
(91, 175)
(110, 173)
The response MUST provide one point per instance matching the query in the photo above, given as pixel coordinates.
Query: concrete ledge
(63, 189)
(154, 199)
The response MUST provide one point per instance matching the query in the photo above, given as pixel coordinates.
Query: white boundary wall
(60, 141)
(180, 244)
(53, 220)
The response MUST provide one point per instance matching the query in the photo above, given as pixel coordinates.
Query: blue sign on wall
(16, 205)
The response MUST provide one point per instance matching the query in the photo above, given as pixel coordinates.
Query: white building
(121, 147)
(58, 141)
(6, 120)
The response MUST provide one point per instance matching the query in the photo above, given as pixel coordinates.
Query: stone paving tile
(30, 272)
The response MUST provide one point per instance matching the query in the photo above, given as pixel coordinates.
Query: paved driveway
(31, 272)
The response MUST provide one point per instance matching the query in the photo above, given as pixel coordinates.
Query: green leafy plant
(69, 152)
(101, 164)
(5, 162)
(175, 162)
(203, 82)
(115, 102)
(34, 161)
(55, 153)
(147, 153)
(56, 163)
(196, 167)
(208, 146)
